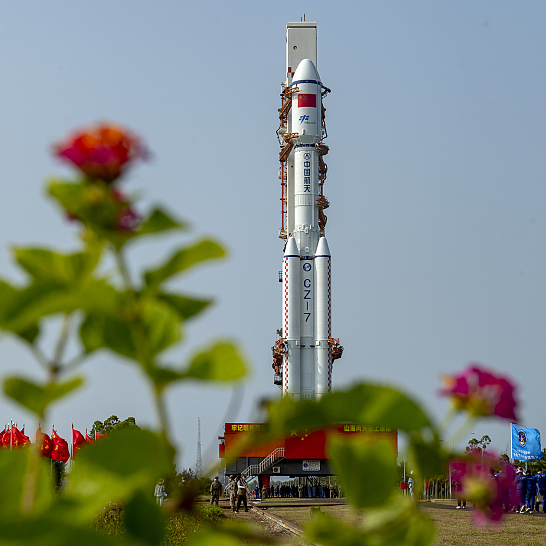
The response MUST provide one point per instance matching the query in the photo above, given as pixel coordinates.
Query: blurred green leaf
(98, 331)
(365, 404)
(186, 307)
(30, 334)
(160, 221)
(182, 260)
(22, 309)
(158, 323)
(427, 457)
(367, 471)
(397, 525)
(14, 465)
(36, 397)
(144, 519)
(65, 269)
(46, 530)
(221, 362)
(115, 469)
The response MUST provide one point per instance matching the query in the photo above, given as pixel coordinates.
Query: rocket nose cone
(306, 71)
(291, 248)
(322, 248)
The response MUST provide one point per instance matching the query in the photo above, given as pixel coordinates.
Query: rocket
(304, 353)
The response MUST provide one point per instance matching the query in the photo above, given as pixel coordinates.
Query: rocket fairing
(304, 354)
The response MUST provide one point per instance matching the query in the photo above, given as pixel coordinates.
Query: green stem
(463, 431)
(124, 270)
(162, 413)
(55, 364)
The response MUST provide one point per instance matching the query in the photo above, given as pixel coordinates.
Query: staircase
(257, 469)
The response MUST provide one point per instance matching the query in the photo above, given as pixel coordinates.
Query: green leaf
(65, 269)
(23, 309)
(144, 519)
(221, 362)
(37, 398)
(182, 260)
(365, 404)
(48, 530)
(397, 525)
(367, 471)
(186, 307)
(157, 328)
(116, 468)
(160, 221)
(427, 457)
(98, 331)
(14, 465)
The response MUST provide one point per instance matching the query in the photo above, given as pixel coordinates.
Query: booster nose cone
(306, 72)
(322, 248)
(291, 249)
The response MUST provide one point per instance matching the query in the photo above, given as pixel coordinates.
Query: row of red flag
(54, 447)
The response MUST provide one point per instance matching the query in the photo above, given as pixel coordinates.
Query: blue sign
(525, 443)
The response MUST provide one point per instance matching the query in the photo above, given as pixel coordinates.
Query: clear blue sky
(437, 223)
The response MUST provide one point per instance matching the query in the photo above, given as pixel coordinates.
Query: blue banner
(525, 443)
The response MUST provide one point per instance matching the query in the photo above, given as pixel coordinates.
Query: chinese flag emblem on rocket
(307, 101)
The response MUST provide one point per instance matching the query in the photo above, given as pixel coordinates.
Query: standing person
(232, 492)
(410, 485)
(159, 492)
(541, 484)
(331, 488)
(300, 490)
(531, 495)
(521, 490)
(241, 493)
(215, 490)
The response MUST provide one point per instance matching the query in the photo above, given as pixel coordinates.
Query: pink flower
(489, 493)
(481, 393)
(102, 152)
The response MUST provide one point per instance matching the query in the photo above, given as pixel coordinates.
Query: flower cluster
(474, 479)
(481, 393)
(102, 152)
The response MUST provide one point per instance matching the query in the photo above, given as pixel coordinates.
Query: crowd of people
(299, 491)
(527, 487)
(519, 491)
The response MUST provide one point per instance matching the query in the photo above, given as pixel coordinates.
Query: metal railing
(256, 469)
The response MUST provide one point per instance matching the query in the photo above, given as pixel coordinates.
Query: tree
(478, 445)
(112, 424)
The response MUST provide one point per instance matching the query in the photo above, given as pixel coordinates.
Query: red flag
(60, 450)
(77, 441)
(98, 435)
(6, 439)
(2, 446)
(45, 443)
(88, 438)
(20, 439)
(307, 101)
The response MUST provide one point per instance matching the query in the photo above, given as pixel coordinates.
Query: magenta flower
(102, 152)
(489, 493)
(481, 393)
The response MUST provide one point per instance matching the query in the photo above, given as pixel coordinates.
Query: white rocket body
(307, 363)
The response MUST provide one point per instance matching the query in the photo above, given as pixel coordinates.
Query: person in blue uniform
(531, 494)
(541, 484)
(521, 490)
